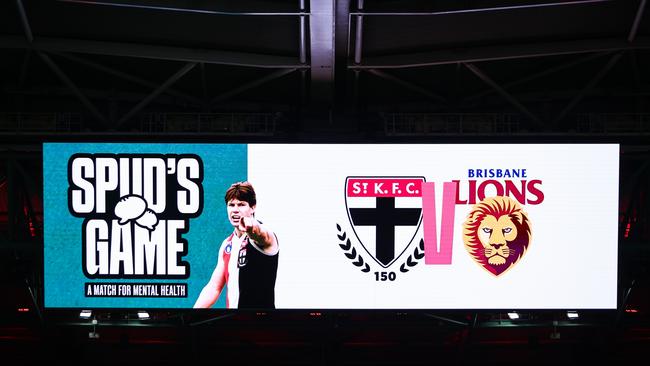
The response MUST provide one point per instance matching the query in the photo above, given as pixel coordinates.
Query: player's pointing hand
(246, 224)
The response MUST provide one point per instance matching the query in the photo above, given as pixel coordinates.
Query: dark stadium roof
(115, 62)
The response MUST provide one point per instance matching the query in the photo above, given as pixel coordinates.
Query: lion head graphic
(496, 233)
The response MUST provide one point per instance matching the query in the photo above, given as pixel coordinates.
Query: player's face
(238, 209)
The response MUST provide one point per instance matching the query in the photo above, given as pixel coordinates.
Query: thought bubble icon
(148, 220)
(130, 207)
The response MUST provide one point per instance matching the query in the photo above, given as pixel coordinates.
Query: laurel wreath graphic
(418, 254)
(350, 252)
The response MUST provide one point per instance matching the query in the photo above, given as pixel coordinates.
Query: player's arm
(260, 234)
(212, 289)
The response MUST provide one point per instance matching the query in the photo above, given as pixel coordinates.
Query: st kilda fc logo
(385, 214)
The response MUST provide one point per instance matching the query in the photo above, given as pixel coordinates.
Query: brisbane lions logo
(496, 233)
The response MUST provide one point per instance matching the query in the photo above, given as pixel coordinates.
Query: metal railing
(613, 123)
(41, 122)
(423, 124)
(428, 124)
(257, 124)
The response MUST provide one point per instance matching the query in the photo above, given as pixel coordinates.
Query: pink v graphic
(431, 253)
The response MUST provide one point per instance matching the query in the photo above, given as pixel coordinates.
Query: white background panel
(571, 261)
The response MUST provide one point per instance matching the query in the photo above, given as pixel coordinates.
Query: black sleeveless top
(257, 273)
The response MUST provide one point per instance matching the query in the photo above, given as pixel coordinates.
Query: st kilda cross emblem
(385, 214)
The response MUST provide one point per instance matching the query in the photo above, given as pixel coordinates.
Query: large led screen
(330, 226)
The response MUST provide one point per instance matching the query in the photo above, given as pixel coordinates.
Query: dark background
(291, 71)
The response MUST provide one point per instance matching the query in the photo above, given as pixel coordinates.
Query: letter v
(431, 253)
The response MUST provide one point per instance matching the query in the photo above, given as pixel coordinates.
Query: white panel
(571, 261)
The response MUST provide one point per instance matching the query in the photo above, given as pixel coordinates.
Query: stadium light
(513, 315)
(143, 315)
(572, 314)
(85, 314)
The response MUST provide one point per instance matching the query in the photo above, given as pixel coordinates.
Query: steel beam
(32, 295)
(538, 75)
(358, 49)
(608, 66)
(505, 94)
(494, 53)
(303, 34)
(483, 10)
(637, 21)
(303, 53)
(321, 35)
(97, 95)
(622, 305)
(251, 85)
(210, 320)
(177, 9)
(24, 21)
(132, 78)
(68, 82)
(448, 320)
(358, 38)
(208, 56)
(179, 74)
(408, 85)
